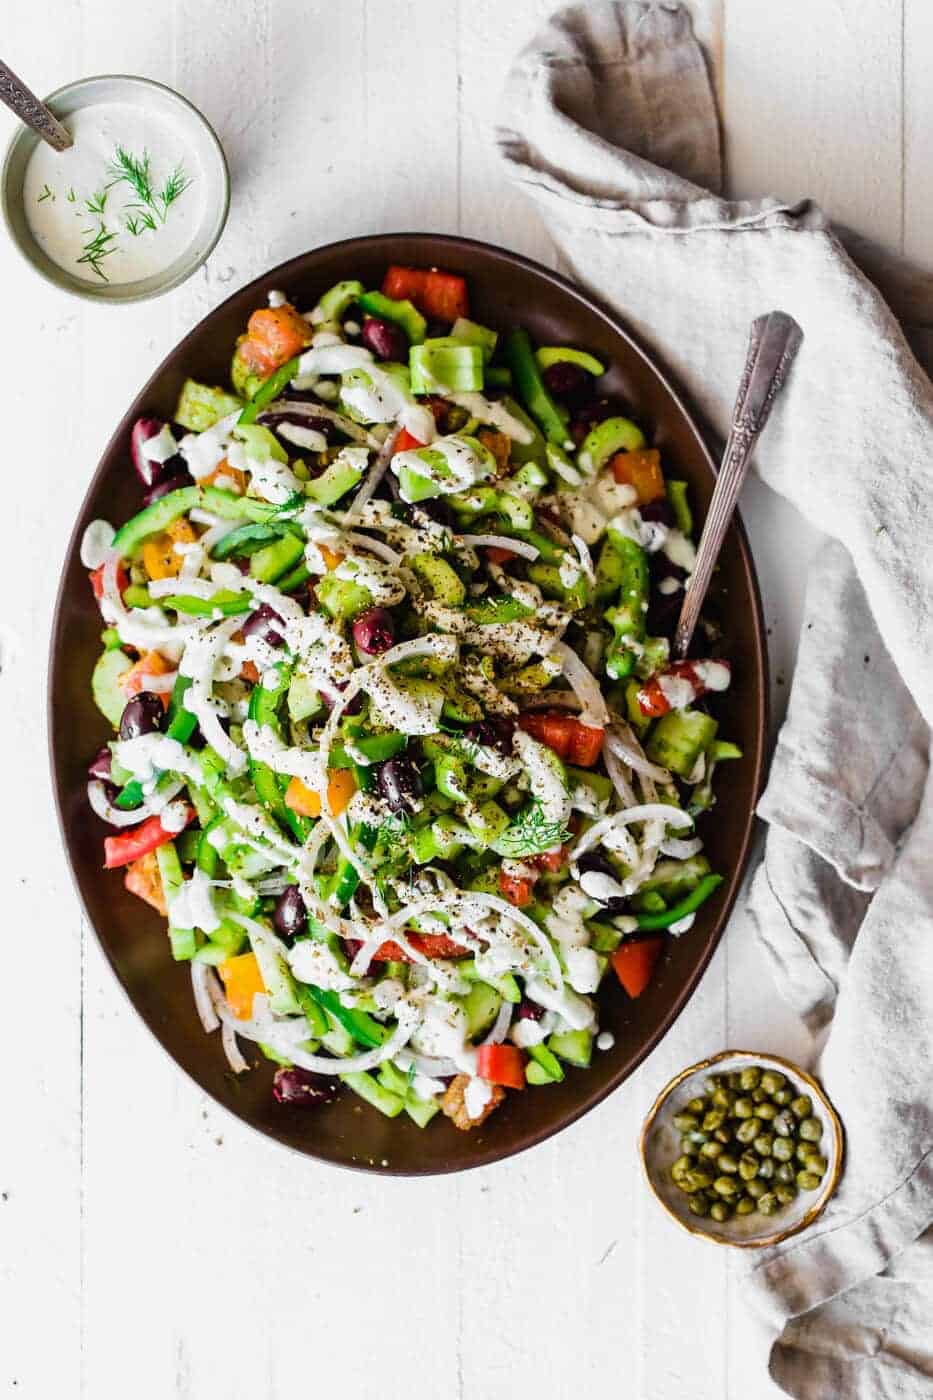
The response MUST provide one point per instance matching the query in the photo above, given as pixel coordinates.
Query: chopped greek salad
(400, 752)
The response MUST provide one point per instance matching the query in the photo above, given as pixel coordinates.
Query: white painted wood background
(151, 1246)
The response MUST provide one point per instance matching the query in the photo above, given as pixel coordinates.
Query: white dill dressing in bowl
(123, 202)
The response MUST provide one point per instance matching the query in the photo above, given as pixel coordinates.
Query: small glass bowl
(200, 138)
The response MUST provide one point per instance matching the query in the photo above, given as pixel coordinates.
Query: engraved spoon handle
(773, 342)
(26, 105)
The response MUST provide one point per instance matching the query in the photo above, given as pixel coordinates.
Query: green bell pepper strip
(548, 1061)
(154, 518)
(376, 747)
(246, 539)
(363, 1027)
(223, 602)
(627, 618)
(294, 580)
(137, 596)
(313, 1012)
(563, 355)
(680, 505)
(548, 551)
(337, 298)
(347, 877)
(233, 507)
(401, 313)
(263, 710)
(181, 725)
(496, 610)
(687, 905)
(532, 389)
(270, 389)
(208, 857)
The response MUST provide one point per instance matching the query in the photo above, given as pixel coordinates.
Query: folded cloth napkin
(609, 125)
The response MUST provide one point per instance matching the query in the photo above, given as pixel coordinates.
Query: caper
(744, 1205)
(768, 1204)
(711, 1084)
(734, 1079)
(811, 1130)
(686, 1122)
(816, 1165)
(727, 1163)
(750, 1078)
(784, 1123)
(759, 1095)
(802, 1106)
(772, 1080)
(720, 1211)
(766, 1111)
(695, 1180)
(698, 1203)
(755, 1188)
(764, 1144)
(697, 1106)
(782, 1097)
(808, 1181)
(724, 1098)
(748, 1166)
(744, 1108)
(766, 1170)
(785, 1192)
(748, 1129)
(785, 1172)
(805, 1150)
(713, 1119)
(726, 1186)
(688, 1147)
(712, 1150)
(698, 1137)
(680, 1168)
(723, 1135)
(783, 1149)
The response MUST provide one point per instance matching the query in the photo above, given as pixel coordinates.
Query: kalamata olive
(386, 340)
(101, 764)
(165, 484)
(494, 732)
(149, 472)
(297, 420)
(587, 416)
(658, 512)
(374, 631)
(300, 1086)
(566, 381)
(437, 510)
(529, 1010)
(399, 782)
(290, 915)
(596, 861)
(265, 624)
(142, 715)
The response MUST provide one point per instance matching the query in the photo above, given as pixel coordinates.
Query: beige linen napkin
(609, 125)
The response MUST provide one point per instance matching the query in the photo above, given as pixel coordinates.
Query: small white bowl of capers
(742, 1149)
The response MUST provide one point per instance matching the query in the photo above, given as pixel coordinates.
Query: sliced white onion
(499, 1028)
(202, 977)
(522, 547)
(646, 812)
(270, 1032)
(317, 410)
(594, 711)
(377, 547)
(681, 850)
(232, 1051)
(116, 816)
(194, 587)
(375, 474)
(159, 685)
(624, 789)
(622, 741)
(428, 1065)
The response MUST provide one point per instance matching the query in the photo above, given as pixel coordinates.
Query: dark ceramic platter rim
(515, 1136)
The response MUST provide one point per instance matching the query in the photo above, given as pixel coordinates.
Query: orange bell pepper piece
(160, 557)
(242, 981)
(633, 963)
(341, 785)
(641, 469)
(227, 477)
(142, 878)
(153, 663)
(273, 335)
(330, 556)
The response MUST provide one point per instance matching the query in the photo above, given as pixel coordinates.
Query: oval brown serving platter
(505, 290)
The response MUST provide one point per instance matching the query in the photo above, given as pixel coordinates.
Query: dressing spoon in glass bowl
(26, 105)
(773, 343)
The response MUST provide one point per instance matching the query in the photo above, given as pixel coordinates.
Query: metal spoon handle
(26, 105)
(773, 342)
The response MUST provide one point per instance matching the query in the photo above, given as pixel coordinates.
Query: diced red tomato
(497, 555)
(651, 697)
(430, 945)
(576, 743)
(97, 580)
(550, 860)
(138, 841)
(517, 889)
(633, 963)
(502, 1064)
(441, 295)
(406, 442)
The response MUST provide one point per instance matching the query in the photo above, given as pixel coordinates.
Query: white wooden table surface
(151, 1246)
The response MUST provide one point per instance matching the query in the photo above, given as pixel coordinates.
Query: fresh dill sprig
(46, 194)
(133, 226)
(99, 245)
(71, 196)
(142, 218)
(96, 203)
(136, 171)
(174, 187)
(531, 833)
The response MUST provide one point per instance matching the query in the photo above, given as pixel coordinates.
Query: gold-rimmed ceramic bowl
(659, 1147)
